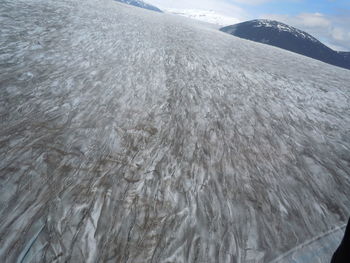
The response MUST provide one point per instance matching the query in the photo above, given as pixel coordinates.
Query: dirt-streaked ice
(132, 136)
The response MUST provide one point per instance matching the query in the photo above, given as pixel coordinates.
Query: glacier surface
(135, 136)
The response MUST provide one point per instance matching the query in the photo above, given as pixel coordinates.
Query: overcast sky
(327, 20)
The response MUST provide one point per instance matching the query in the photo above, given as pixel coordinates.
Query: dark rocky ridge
(346, 55)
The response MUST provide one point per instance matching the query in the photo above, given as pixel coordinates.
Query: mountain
(283, 36)
(346, 55)
(140, 4)
(128, 136)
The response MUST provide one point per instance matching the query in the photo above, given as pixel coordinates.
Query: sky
(327, 20)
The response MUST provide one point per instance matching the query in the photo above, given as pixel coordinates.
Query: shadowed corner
(317, 249)
(342, 254)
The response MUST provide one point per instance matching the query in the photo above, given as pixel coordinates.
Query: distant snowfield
(208, 16)
(141, 4)
(134, 136)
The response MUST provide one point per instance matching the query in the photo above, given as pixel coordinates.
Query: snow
(141, 4)
(283, 27)
(208, 16)
(136, 136)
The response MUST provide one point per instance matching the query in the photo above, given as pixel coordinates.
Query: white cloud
(304, 19)
(338, 34)
(252, 2)
(313, 20)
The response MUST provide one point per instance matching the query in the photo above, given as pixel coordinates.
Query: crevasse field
(132, 136)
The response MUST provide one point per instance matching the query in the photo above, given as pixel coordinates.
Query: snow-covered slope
(208, 16)
(281, 27)
(287, 37)
(136, 136)
(141, 4)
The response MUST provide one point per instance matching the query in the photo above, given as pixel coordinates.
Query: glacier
(207, 16)
(136, 136)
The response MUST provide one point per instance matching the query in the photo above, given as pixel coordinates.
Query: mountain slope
(346, 55)
(135, 136)
(283, 36)
(140, 4)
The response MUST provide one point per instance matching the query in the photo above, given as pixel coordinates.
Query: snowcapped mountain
(208, 16)
(287, 37)
(129, 136)
(140, 4)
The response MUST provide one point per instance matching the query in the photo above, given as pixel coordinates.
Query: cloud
(310, 20)
(332, 30)
(338, 34)
(313, 20)
(261, 2)
(252, 2)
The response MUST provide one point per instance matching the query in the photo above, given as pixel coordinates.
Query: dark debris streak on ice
(133, 136)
